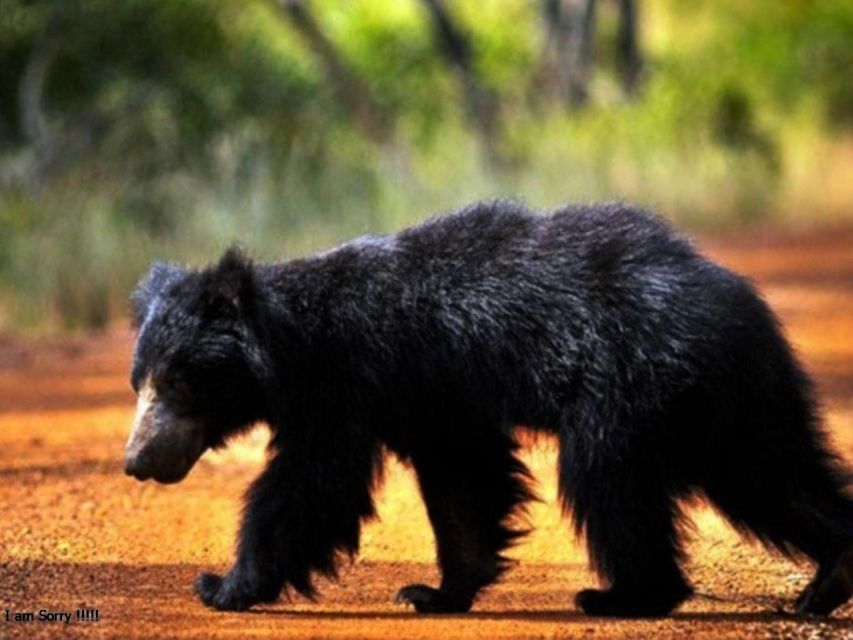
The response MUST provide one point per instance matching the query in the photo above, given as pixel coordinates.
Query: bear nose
(137, 466)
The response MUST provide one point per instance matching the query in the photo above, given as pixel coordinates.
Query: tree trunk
(630, 57)
(547, 80)
(345, 83)
(481, 104)
(581, 28)
(32, 118)
(568, 52)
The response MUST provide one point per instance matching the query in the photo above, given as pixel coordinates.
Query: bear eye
(176, 393)
(174, 386)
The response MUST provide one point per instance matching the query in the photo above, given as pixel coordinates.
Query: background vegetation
(171, 128)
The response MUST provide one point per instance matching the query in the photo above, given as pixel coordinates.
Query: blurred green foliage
(172, 128)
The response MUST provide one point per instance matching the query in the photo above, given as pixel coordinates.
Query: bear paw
(625, 604)
(830, 589)
(220, 594)
(430, 600)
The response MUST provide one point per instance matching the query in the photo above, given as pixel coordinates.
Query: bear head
(198, 369)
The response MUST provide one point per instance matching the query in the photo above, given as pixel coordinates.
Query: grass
(73, 254)
(738, 124)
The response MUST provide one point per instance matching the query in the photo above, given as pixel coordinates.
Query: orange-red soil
(76, 532)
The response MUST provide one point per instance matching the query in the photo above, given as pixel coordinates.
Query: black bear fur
(661, 374)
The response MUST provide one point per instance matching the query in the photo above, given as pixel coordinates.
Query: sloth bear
(661, 374)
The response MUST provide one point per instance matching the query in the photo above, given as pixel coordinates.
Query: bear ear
(231, 280)
(159, 278)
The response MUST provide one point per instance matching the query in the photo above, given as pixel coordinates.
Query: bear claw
(628, 604)
(427, 599)
(830, 588)
(214, 592)
(207, 586)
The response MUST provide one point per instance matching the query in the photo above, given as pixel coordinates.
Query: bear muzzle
(161, 445)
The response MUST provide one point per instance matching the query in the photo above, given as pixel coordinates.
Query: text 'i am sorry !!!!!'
(45, 615)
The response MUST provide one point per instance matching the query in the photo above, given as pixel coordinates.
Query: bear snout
(137, 466)
(161, 446)
(165, 464)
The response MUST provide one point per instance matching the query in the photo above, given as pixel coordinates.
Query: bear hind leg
(638, 555)
(800, 507)
(629, 516)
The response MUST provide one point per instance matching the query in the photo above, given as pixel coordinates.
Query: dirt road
(76, 533)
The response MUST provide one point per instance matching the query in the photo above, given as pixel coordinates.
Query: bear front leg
(470, 492)
(232, 592)
(301, 513)
(253, 578)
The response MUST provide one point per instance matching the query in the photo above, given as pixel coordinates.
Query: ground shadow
(168, 587)
(566, 616)
(74, 469)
